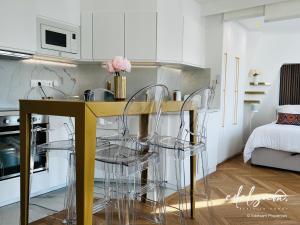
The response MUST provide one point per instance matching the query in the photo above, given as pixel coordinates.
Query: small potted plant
(118, 66)
(255, 74)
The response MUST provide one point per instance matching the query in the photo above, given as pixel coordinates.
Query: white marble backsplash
(16, 76)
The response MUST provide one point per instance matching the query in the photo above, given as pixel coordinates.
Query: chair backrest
(199, 101)
(108, 127)
(45, 92)
(147, 99)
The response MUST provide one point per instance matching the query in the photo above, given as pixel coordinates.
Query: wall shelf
(252, 101)
(261, 84)
(255, 92)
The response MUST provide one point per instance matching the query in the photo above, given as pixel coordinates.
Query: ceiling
(212, 7)
(258, 24)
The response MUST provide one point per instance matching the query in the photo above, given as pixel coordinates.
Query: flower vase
(120, 88)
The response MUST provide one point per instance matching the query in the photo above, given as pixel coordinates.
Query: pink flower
(118, 63)
(110, 67)
(127, 65)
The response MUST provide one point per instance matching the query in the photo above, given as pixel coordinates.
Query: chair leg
(178, 169)
(70, 196)
(122, 195)
(108, 194)
(207, 190)
(159, 192)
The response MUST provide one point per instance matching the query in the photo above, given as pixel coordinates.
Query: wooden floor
(258, 207)
(234, 173)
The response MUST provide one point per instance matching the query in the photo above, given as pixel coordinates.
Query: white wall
(270, 50)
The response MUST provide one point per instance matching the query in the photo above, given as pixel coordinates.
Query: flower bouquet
(117, 66)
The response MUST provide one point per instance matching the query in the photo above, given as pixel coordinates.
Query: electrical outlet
(47, 83)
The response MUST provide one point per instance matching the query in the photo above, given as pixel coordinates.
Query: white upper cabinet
(143, 31)
(67, 11)
(169, 37)
(108, 35)
(86, 36)
(17, 25)
(140, 36)
(193, 43)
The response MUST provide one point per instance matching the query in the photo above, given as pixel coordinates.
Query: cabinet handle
(236, 90)
(224, 88)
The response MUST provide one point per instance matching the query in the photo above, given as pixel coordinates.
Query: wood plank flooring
(266, 181)
(260, 207)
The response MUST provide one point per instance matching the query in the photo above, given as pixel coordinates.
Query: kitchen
(77, 63)
(138, 112)
(55, 56)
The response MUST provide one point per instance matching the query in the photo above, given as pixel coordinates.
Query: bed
(277, 145)
(274, 145)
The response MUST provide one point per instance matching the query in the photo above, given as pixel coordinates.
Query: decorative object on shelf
(255, 74)
(117, 66)
(252, 101)
(260, 84)
(255, 92)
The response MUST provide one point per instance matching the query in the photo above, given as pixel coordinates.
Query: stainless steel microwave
(58, 39)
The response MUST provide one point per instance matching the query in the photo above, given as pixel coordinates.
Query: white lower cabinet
(213, 127)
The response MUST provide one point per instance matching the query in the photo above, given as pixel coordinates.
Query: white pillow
(292, 109)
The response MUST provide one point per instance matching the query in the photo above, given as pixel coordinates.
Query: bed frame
(276, 159)
(289, 94)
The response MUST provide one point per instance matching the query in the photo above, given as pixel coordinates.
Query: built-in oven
(10, 144)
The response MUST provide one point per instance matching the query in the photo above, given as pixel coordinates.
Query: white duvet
(274, 136)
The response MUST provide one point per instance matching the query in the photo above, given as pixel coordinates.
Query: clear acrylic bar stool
(105, 131)
(188, 143)
(66, 146)
(132, 164)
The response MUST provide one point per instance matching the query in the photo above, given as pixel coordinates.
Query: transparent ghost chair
(132, 167)
(104, 131)
(64, 148)
(189, 143)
